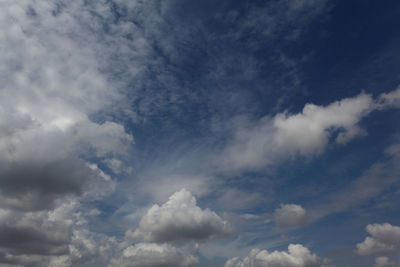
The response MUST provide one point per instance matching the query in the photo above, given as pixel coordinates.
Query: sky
(180, 133)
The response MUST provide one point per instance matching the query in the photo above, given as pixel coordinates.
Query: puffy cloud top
(297, 256)
(180, 219)
(290, 215)
(384, 238)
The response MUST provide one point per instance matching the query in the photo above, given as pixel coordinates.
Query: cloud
(154, 255)
(51, 86)
(308, 132)
(384, 262)
(389, 100)
(264, 142)
(30, 186)
(297, 256)
(59, 235)
(385, 238)
(179, 219)
(290, 215)
(53, 92)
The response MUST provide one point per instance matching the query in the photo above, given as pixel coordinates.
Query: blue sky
(200, 133)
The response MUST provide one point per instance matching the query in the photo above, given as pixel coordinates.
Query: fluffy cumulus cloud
(167, 234)
(297, 256)
(154, 255)
(385, 238)
(290, 215)
(179, 219)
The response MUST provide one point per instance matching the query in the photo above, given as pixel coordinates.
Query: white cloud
(290, 215)
(154, 255)
(297, 256)
(262, 143)
(256, 144)
(309, 131)
(371, 246)
(385, 232)
(385, 238)
(179, 219)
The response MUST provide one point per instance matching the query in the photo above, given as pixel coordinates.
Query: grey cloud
(51, 87)
(57, 237)
(290, 215)
(384, 238)
(29, 186)
(31, 241)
